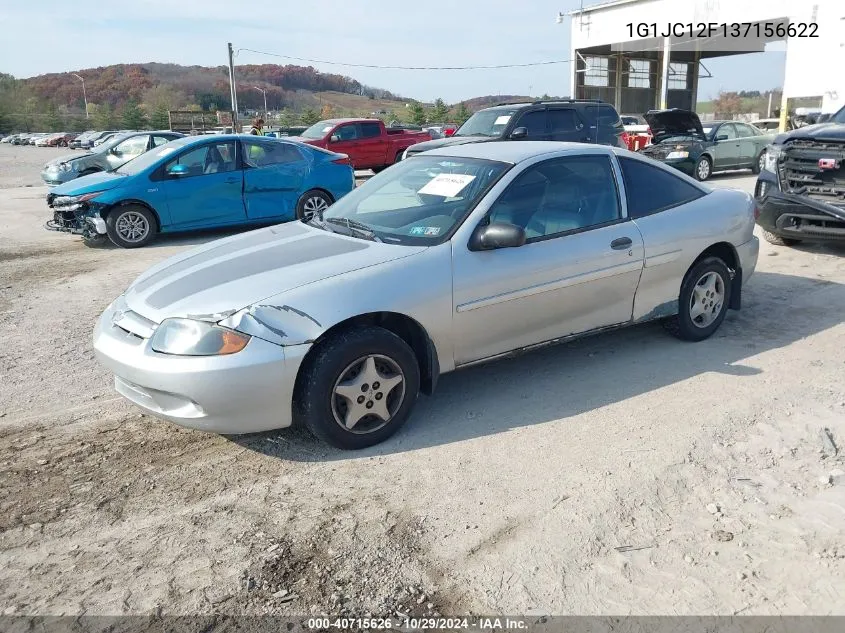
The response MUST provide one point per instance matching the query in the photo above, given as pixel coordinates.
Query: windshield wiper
(355, 227)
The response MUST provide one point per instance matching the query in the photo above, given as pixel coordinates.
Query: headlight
(677, 154)
(64, 167)
(770, 163)
(186, 337)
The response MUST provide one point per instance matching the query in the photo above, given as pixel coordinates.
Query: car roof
(510, 151)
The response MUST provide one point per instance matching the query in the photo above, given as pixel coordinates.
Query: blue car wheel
(131, 226)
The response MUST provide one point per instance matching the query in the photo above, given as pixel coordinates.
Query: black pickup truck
(801, 189)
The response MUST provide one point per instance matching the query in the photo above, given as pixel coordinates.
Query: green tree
(52, 120)
(462, 114)
(133, 116)
(309, 116)
(102, 116)
(440, 113)
(418, 116)
(160, 118)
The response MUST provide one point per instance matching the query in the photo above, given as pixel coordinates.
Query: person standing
(257, 127)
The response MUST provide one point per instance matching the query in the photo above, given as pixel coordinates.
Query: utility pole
(235, 129)
(264, 92)
(84, 95)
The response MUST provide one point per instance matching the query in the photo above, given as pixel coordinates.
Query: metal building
(644, 54)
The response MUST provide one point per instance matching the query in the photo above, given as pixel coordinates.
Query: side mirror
(334, 138)
(518, 133)
(497, 235)
(177, 170)
(722, 137)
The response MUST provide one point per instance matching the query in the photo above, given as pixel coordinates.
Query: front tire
(358, 388)
(703, 169)
(777, 240)
(311, 203)
(703, 302)
(131, 226)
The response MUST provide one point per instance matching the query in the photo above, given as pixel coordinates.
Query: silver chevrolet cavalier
(454, 257)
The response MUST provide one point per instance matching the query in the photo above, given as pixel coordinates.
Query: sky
(62, 36)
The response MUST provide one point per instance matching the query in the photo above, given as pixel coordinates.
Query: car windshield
(839, 117)
(486, 123)
(419, 201)
(318, 130)
(105, 146)
(147, 159)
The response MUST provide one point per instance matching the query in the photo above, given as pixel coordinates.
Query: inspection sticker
(446, 185)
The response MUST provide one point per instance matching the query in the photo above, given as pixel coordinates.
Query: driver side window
(727, 130)
(213, 158)
(560, 196)
(347, 132)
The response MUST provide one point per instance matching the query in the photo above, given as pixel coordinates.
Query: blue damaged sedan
(202, 182)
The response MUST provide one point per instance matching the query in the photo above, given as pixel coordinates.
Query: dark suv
(571, 120)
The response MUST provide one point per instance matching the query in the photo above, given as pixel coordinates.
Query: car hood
(68, 158)
(218, 279)
(448, 142)
(819, 131)
(101, 181)
(665, 124)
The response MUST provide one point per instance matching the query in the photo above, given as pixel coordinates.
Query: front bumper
(247, 392)
(797, 217)
(79, 219)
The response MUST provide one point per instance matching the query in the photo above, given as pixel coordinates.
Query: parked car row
(41, 139)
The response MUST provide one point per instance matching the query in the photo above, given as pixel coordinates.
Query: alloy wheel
(703, 169)
(132, 227)
(368, 394)
(708, 296)
(315, 205)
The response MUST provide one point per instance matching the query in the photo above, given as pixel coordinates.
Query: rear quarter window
(601, 114)
(650, 189)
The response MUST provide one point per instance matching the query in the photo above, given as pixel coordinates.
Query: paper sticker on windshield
(446, 185)
(503, 120)
(424, 230)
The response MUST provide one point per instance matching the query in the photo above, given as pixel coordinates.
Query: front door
(346, 137)
(274, 173)
(726, 152)
(210, 192)
(578, 270)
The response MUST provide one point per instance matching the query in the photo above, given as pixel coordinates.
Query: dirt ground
(623, 474)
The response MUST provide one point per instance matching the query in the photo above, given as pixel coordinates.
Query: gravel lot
(627, 473)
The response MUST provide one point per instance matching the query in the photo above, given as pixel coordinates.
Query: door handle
(621, 244)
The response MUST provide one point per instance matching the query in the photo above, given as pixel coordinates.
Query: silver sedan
(454, 257)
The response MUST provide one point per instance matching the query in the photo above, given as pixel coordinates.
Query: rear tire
(357, 362)
(312, 202)
(398, 158)
(777, 240)
(131, 226)
(703, 301)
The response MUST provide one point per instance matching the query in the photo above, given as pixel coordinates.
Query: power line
(380, 67)
(658, 47)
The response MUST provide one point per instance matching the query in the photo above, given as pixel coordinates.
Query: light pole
(84, 96)
(264, 92)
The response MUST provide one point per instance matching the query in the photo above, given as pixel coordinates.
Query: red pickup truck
(367, 142)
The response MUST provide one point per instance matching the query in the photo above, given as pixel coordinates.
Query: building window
(678, 76)
(597, 73)
(639, 73)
